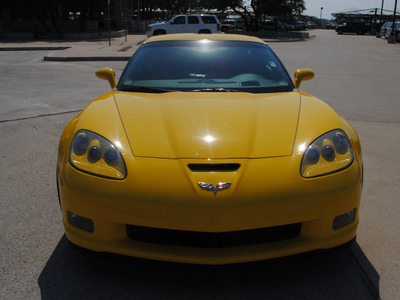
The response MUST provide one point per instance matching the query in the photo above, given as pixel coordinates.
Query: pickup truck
(186, 23)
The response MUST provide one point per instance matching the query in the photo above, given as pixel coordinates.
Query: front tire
(58, 189)
(159, 32)
(204, 31)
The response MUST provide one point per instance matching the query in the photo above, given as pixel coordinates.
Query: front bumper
(149, 32)
(164, 194)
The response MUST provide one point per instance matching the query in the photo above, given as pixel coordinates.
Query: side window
(209, 19)
(193, 20)
(179, 20)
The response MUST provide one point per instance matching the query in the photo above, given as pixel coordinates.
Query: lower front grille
(211, 239)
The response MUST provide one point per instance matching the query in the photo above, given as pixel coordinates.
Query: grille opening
(211, 239)
(213, 167)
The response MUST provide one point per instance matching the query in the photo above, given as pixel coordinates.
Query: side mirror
(302, 75)
(107, 74)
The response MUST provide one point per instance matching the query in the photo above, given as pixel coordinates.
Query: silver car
(389, 29)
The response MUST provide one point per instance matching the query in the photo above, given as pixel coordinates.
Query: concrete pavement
(356, 75)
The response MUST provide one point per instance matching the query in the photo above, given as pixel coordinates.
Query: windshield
(212, 66)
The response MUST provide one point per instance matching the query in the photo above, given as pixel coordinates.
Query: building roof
(370, 12)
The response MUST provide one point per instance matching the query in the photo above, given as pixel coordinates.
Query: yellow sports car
(205, 151)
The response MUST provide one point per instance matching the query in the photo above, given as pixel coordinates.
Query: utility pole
(138, 15)
(392, 36)
(126, 20)
(108, 22)
(320, 18)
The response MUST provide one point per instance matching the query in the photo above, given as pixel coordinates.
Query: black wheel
(340, 32)
(159, 32)
(58, 189)
(204, 31)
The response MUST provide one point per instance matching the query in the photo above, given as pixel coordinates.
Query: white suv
(186, 23)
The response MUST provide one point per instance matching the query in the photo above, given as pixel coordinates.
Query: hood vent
(213, 167)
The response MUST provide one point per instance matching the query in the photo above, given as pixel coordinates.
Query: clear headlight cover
(93, 154)
(330, 153)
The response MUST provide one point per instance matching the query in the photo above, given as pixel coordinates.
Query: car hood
(158, 23)
(209, 125)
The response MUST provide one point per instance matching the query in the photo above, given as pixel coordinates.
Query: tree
(175, 7)
(253, 14)
(48, 13)
(276, 8)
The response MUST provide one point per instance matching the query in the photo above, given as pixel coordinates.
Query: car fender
(317, 118)
(109, 127)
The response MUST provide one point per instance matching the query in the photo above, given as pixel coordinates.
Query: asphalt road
(357, 75)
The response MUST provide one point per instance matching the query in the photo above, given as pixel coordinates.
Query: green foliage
(56, 10)
(277, 7)
(176, 6)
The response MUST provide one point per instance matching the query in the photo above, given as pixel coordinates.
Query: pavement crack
(40, 116)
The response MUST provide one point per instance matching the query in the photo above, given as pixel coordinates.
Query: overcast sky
(313, 7)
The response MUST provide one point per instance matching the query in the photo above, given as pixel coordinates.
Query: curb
(32, 48)
(88, 58)
(288, 40)
(127, 58)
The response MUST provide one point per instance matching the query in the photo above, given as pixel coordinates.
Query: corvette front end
(161, 210)
(265, 193)
(209, 175)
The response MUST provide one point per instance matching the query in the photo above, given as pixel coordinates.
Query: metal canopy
(370, 15)
(367, 12)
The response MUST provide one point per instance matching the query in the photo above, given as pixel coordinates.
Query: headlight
(93, 154)
(328, 154)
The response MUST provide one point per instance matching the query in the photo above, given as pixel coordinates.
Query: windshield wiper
(143, 89)
(215, 90)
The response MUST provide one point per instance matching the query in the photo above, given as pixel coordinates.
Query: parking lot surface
(357, 75)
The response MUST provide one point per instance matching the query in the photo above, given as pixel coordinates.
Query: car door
(178, 24)
(193, 24)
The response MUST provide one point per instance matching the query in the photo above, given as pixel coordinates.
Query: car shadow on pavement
(340, 273)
